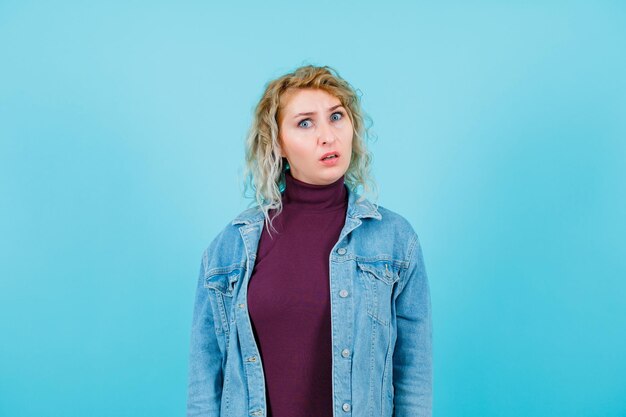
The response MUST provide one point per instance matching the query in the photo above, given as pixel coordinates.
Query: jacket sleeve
(412, 358)
(205, 361)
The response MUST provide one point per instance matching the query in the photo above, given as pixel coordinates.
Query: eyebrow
(312, 112)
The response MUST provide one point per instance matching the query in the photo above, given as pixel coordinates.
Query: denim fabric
(380, 319)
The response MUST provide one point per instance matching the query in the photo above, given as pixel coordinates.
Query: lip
(332, 161)
(330, 153)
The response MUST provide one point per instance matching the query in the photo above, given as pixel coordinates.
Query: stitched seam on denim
(247, 328)
(227, 389)
(222, 309)
(412, 246)
(225, 270)
(377, 276)
(398, 263)
(387, 368)
(370, 296)
(371, 384)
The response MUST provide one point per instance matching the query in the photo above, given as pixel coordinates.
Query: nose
(326, 134)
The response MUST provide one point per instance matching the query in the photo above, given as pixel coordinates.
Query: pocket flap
(384, 270)
(223, 279)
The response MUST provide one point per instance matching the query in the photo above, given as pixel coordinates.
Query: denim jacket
(380, 321)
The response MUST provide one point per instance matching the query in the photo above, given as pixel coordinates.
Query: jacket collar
(362, 209)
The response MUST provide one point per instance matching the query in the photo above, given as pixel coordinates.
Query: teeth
(330, 156)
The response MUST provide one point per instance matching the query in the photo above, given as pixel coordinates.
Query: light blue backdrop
(501, 137)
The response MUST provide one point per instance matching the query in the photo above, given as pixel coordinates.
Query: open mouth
(329, 156)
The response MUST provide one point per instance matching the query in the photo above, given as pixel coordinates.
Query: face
(313, 123)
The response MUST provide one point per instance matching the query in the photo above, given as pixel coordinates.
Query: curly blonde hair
(265, 168)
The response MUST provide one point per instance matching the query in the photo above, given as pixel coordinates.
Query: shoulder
(385, 233)
(393, 218)
(405, 231)
(393, 222)
(227, 248)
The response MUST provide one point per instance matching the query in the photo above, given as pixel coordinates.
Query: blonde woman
(314, 302)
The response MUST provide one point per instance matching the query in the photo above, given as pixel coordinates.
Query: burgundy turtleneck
(289, 298)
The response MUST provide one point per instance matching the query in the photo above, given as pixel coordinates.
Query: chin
(331, 177)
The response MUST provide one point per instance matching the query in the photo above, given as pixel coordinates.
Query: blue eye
(305, 120)
(337, 113)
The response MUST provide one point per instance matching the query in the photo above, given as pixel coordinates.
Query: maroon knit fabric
(289, 298)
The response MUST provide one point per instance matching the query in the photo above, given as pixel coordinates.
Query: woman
(314, 302)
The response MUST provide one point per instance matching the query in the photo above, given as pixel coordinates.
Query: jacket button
(242, 305)
(343, 293)
(345, 407)
(251, 359)
(345, 353)
(341, 251)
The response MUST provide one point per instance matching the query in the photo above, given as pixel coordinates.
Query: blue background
(501, 137)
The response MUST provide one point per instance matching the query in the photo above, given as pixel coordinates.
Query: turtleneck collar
(305, 196)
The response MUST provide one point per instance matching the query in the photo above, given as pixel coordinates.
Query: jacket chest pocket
(378, 277)
(222, 282)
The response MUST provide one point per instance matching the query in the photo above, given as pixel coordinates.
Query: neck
(301, 195)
